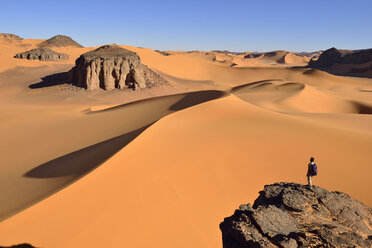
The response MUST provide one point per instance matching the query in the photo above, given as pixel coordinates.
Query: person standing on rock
(312, 170)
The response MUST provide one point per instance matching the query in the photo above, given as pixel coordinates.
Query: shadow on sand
(25, 245)
(84, 160)
(80, 162)
(195, 98)
(51, 80)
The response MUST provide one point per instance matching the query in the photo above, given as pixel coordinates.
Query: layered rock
(293, 215)
(60, 41)
(335, 56)
(112, 67)
(42, 54)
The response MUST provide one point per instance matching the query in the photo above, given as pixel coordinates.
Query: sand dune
(139, 191)
(297, 98)
(70, 159)
(161, 167)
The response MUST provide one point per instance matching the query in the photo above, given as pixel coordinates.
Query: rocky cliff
(60, 41)
(293, 215)
(112, 67)
(42, 54)
(336, 56)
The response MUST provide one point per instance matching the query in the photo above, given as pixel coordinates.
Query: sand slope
(149, 186)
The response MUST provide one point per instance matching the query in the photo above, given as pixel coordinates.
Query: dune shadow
(253, 84)
(84, 160)
(190, 99)
(51, 80)
(24, 245)
(362, 108)
(197, 97)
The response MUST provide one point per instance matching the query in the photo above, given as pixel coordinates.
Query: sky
(234, 25)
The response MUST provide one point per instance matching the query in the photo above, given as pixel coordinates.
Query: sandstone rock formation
(292, 215)
(60, 41)
(112, 67)
(9, 37)
(335, 56)
(42, 54)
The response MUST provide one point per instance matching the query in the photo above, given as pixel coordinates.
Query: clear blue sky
(235, 25)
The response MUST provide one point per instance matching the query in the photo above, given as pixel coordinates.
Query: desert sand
(162, 167)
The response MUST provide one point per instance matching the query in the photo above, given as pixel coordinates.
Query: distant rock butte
(292, 215)
(112, 67)
(9, 37)
(252, 55)
(337, 56)
(42, 54)
(60, 41)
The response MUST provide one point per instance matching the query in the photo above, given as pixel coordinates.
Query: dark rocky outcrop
(112, 67)
(165, 53)
(9, 37)
(42, 54)
(252, 55)
(60, 41)
(336, 56)
(293, 215)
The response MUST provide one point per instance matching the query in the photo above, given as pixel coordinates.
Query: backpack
(314, 169)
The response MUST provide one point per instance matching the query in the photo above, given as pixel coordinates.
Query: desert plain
(162, 166)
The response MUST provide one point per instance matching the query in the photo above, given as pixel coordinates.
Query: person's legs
(309, 181)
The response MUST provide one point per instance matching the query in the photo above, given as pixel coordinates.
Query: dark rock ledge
(293, 215)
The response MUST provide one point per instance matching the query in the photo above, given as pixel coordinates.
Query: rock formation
(60, 41)
(9, 37)
(112, 67)
(252, 55)
(42, 54)
(165, 53)
(293, 215)
(313, 55)
(335, 56)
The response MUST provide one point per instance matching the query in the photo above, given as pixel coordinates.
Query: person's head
(311, 159)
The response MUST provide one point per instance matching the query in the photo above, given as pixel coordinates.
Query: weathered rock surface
(112, 67)
(9, 37)
(60, 41)
(42, 54)
(335, 56)
(292, 215)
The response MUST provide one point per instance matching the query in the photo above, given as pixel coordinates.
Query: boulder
(112, 67)
(42, 54)
(294, 215)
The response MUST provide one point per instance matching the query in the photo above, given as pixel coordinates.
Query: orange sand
(107, 169)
